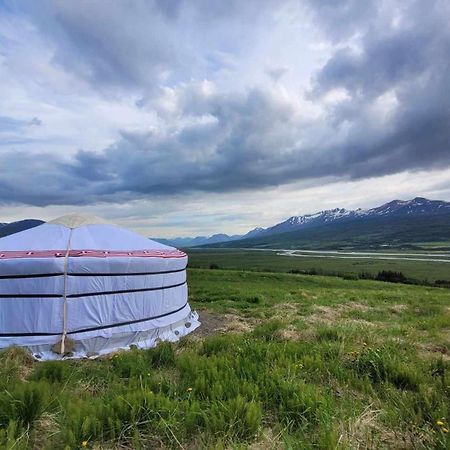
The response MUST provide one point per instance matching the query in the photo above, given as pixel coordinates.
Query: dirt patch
(360, 322)
(238, 324)
(285, 310)
(333, 314)
(367, 432)
(268, 441)
(435, 350)
(212, 323)
(355, 306)
(44, 426)
(396, 309)
(18, 360)
(324, 314)
(292, 334)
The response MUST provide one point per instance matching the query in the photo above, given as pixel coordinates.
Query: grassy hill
(374, 233)
(281, 361)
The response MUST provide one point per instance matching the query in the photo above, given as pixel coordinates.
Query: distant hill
(371, 233)
(397, 223)
(196, 241)
(397, 208)
(14, 227)
(417, 207)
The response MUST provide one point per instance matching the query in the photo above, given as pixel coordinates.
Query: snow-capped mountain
(416, 207)
(310, 220)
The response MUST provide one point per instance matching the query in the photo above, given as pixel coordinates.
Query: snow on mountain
(416, 206)
(395, 208)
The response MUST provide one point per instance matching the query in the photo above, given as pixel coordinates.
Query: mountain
(398, 222)
(396, 208)
(394, 223)
(416, 207)
(361, 234)
(14, 227)
(197, 241)
(311, 220)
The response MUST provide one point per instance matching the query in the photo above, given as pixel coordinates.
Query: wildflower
(84, 443)
(445, 430)
(189, 389)
(439, 423)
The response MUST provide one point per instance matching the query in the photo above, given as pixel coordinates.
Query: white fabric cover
(77, 220)
(93, 290)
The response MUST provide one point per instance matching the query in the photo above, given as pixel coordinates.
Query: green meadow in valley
(281, 361)
(415, 270)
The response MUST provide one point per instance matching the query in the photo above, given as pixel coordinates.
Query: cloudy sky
(186, 117)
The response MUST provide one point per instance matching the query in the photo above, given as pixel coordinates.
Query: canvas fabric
(101, 286)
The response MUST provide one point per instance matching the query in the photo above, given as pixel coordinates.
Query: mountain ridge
(417, 206)
(15, 227)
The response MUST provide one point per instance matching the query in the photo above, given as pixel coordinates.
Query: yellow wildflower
(445, 430)
(439, 423)
(84, 443)
(189, 389)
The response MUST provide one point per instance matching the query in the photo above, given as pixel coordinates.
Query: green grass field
(282, 361)
(271, 262)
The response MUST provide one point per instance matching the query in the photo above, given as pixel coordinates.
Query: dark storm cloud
(395, 115)
(410, 61)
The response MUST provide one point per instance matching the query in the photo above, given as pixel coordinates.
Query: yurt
(79, 286)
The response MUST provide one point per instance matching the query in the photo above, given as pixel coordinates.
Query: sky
(192, 117)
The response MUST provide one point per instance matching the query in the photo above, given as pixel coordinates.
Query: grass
(318, 362)
(422, 271)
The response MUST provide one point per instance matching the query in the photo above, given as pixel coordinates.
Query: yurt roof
(79, 220)
(79, 231)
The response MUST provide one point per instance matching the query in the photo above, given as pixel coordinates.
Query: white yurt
(79, 286)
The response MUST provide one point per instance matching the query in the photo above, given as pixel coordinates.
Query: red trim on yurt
(92, 254)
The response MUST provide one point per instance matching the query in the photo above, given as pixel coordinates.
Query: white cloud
(140, 98)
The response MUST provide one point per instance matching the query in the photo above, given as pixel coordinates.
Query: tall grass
(337, 384)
